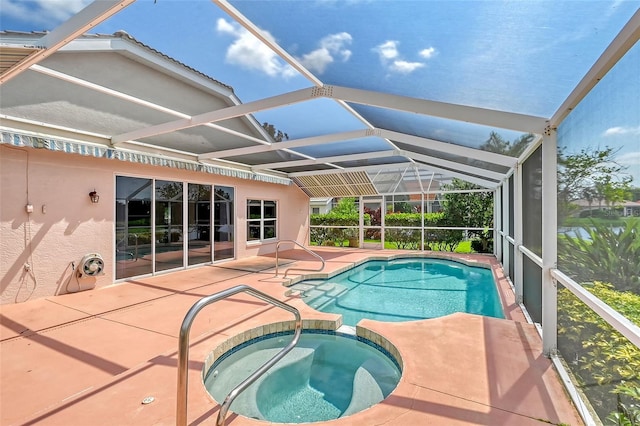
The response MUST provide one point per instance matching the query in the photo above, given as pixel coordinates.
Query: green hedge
(335, 236)
(434, 239)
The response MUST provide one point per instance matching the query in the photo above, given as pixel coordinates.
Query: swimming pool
(404, 290)
(326, 376)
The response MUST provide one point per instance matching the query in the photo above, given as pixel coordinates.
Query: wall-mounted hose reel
(91, 265)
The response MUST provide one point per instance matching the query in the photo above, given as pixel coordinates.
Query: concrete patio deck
(90, 358)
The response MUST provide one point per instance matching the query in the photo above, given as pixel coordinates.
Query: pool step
(324, 294)
(365, 390)
(317, 293)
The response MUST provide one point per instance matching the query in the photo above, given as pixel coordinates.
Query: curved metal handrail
(183, 350)
(303, 248)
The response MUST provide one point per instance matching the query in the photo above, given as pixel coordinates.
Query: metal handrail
(303, 248)
(183, 351)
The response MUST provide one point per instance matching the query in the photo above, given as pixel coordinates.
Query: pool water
(404, 290)
(326, 376)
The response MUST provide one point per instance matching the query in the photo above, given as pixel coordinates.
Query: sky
(491, 54)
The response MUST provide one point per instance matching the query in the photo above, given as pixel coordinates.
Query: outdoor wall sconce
(94, 197)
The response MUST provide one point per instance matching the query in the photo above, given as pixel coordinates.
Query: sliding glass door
(169, 229)
(199, 226)
(163, 225)
(134, 233)
(223, 214)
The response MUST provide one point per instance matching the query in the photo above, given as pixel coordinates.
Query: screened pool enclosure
(531, 107)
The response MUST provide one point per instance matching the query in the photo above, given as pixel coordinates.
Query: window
(315, 210)
(261, 220)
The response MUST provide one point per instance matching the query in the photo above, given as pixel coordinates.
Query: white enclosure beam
(375, 168)
(455, 112)
(624, 41)
(478, 154)
(78, 24)
(618, 321)
(116, 94)
(218, 115)
(293, 143)
(267, 40)
(485, 156)
(517, 234)
(549, 243)
(323, 160)
(497, 220)
(506, 227)
(465, 168)
(472, 179)
(501, 119)
(461, 170)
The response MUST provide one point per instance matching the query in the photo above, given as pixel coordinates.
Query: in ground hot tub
(326, 376)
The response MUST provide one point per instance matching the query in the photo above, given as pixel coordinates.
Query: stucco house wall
(37, 249)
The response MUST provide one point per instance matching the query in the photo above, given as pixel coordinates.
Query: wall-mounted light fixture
(94, 196)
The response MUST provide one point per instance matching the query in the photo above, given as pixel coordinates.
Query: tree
(498, 144)
(345, 206)
(470, 209)
(593, 170)
(495, 143)
(613, 192)
(589, 194)
(276, 135)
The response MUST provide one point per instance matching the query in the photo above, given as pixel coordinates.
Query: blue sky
(491, 54)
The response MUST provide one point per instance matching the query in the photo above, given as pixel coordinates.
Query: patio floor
(90, 358)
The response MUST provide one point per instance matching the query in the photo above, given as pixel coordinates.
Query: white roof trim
(87, 18)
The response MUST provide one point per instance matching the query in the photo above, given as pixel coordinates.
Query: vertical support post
(518, 280)
(383, 213)
(506, 228)
(361, 222)
(497, 223)
(185, 224)
(153, 226)
(549, 242)
(422, 209)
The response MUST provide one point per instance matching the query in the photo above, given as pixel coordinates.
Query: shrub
(482, 245)
(604, 255)
(408, 238)
(344, 214)
(604, 361)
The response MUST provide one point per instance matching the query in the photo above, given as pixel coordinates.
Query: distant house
(631, 208)
(625, 208)
(320, 205)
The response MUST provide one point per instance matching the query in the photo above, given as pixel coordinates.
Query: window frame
(267, 219)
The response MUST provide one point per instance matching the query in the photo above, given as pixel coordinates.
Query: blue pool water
(326, 376)
(404, 290)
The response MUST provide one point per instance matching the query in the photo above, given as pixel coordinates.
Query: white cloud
(331, 46)
(404, 67)
(615, 131)
(391, 58)
(250, 53)
(387, 50)
(629, 159)
(428, 53)
(49, 13)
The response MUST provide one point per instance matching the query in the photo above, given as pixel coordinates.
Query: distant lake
(575, 231)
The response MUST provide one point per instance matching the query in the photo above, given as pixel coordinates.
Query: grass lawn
(463, 247)
(586, 222)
